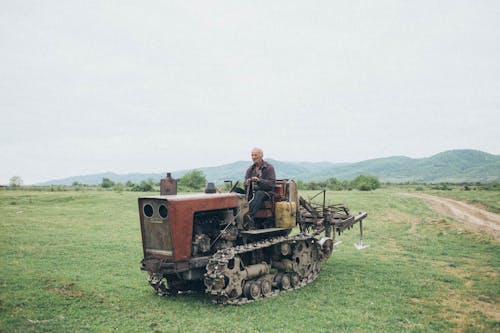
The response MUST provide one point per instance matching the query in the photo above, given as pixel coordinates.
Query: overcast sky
(154, 86)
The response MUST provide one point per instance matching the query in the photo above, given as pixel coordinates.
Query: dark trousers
(257, 202)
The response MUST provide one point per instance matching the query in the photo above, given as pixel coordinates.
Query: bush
(362, 182)
(144, 186)
(107, 183)
(365, 183)
(119, 187)
(194, 180)
(441, 187)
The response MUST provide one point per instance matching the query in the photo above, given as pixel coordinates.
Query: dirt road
(468, 214)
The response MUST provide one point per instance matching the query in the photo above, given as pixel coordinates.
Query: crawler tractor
(202, 242)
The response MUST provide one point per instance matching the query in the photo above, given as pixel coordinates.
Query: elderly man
(259, 182)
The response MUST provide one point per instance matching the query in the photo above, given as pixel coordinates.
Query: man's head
(257, 155)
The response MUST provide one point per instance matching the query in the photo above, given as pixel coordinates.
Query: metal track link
(216, 279)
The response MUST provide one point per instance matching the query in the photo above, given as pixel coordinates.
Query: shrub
(194, 180)
(119, 187)
(365, 183)
(107, 183)
(144, 186)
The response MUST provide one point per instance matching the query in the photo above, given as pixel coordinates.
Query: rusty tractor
(202, 242)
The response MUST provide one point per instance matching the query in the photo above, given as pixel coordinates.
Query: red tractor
(200, 242)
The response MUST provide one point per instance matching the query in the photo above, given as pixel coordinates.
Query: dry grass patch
(466, 307)
(468, 311)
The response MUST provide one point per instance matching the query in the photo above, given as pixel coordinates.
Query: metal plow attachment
(331, 219)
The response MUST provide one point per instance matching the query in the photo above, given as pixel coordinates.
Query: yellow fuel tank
(285, 214)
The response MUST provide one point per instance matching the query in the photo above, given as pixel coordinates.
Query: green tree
(194, 180)
(365, 183)
(335, 185)
(107, 183)
(15, 181)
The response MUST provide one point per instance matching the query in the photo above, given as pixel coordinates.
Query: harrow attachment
(330, 219)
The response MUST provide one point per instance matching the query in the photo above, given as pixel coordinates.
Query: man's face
(256, 156)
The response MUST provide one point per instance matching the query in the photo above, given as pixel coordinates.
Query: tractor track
(217, 269)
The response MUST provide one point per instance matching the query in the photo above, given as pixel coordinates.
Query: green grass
(69, 261)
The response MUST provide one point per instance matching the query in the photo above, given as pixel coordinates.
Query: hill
(448, 166)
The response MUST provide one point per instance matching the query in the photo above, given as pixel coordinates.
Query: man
(259, 183)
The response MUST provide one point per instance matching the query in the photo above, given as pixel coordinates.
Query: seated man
(259, 183)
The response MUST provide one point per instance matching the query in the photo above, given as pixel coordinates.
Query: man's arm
(268, 179)
(248, 175)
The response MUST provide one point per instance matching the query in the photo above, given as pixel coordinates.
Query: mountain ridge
(463, 165)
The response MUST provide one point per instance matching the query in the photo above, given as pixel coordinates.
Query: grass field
(69, 262)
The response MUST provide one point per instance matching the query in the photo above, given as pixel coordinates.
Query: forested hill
(448, 166)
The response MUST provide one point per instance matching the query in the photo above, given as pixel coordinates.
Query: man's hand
(253, 179)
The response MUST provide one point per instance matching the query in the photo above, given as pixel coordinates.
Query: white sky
(152, 86)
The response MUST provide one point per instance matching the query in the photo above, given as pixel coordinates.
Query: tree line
(361, 182)
(191, 181)
(196, 181)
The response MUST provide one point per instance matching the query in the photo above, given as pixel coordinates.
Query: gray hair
(259, 150)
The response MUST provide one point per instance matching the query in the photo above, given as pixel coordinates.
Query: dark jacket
(266, 174)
